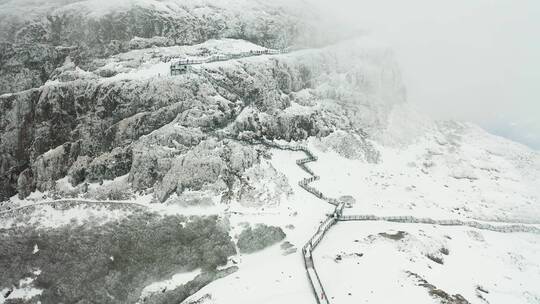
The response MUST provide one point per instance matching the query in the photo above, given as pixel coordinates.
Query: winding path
(330, 220)
(181, 66)
(337, 216)
(307, 250)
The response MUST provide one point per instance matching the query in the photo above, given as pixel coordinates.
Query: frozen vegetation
(111, 263)
(120, 183)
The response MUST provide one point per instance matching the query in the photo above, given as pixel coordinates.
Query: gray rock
(204, 165)
(77, 172)
(151, 128)
(32, 48)
(50, 166)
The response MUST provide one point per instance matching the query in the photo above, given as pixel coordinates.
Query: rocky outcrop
(99, 116)
(211, 163)
(24, 66)
(350, 146)
(182, 292)
(158, 130)
(261, 185)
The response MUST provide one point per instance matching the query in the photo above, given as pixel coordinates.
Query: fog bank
(473, 60)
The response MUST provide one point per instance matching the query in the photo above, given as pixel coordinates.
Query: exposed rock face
(182, 292)
(100, 118)
(95, 129)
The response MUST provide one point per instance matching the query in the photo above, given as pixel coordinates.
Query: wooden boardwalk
(331, 219)
(337, 216)
(181, 66)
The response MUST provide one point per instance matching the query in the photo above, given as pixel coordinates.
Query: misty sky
(474, 60)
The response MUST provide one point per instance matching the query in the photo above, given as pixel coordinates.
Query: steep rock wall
(94, 128)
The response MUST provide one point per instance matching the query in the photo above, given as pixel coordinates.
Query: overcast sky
(474, 60)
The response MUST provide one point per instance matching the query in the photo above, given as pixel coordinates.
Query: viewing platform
(181, 66)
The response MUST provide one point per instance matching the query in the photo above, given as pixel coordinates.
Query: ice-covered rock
(103, 128)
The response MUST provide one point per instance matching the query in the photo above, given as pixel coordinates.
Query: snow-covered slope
(455, 170)
(103, 136)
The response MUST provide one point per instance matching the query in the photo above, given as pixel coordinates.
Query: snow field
(506, 265)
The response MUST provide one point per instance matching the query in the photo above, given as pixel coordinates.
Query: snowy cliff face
(84, 81)
(126, 115)
(34, 44)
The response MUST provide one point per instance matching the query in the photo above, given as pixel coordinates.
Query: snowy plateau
(291, 170)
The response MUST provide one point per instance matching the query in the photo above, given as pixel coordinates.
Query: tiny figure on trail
(322, 295)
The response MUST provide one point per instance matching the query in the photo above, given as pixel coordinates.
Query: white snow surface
(455, 171)
(443, 171)
(170, 284)
(45, 216)
(505, 265)
(269, 276)
(447, 171)
(142, 64)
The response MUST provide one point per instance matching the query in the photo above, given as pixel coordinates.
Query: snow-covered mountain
(121, 183)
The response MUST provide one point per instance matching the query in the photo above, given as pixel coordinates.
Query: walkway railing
(337, 216)
(330, 220)
(415, 220)
(180, 66)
